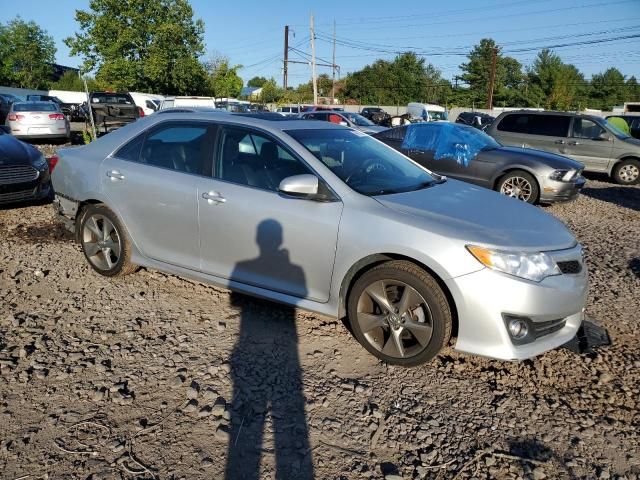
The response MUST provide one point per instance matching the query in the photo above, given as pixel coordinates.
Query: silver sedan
(328, 219)
(33, 120)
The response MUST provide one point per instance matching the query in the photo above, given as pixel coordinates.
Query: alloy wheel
(101, 242)
(629, 173)
(394, 318)
(517, 187)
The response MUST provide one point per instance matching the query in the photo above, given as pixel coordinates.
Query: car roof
(264, 120)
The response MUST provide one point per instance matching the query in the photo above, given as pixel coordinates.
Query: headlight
(534, 266)
(562, 175)
(40, 163)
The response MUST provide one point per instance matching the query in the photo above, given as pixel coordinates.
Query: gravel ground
(154, 376)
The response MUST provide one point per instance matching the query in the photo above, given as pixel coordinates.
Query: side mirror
(300, 185)
(603, 137)
(343, 123)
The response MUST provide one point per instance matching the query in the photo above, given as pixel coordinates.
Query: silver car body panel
(330, 240)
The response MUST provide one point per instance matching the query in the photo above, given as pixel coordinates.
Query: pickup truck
(111, 110)
(71, 110)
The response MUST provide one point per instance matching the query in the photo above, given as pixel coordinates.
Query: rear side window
(180, 147)
(516, 123)
(549, 125)
(393, 134)
(131, 150)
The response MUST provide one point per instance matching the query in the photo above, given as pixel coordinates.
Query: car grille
(546, 328)
(570, 267)
(17, 174)
(17, 196)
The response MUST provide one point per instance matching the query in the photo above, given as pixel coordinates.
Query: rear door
(529, 130)
(589, 144)
(152, 181)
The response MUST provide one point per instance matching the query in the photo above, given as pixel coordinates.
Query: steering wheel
(369, 166)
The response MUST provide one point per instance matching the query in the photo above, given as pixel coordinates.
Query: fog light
(518, 328)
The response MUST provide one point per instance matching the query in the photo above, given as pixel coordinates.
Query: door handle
(561, 142)
(115, 175)
(213, 198)
(574, 143)
(416, 152)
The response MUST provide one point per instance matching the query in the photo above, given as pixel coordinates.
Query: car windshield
(365, 164)
(438, 115)
(358, 119)
(35, 107)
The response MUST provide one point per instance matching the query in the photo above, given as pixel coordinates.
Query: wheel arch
(622, 158)
(513, 168)
(365, 264)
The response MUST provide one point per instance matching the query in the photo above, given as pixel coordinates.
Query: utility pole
(313, 63)
(492, 78)
(286, 57)
(333, 66)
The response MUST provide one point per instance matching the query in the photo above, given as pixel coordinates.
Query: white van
(427, 112)
(148, 102)
(171, 102)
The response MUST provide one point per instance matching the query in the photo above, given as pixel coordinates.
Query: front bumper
(38, 189)
(552, 191)
(484, 298)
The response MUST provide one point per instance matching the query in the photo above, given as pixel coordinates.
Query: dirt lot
(153, 376)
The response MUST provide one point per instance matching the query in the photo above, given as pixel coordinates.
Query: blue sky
(250, 32)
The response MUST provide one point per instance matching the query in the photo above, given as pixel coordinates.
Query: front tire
(105, 242)
(521, 185)
(399, 313)
(627, 172)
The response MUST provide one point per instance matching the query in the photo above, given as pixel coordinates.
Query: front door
(250, 233)
(152, 183)
(589, 144)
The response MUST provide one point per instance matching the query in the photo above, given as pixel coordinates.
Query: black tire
(437, 307)
(105, 263)
(627, 172)
(522, 178)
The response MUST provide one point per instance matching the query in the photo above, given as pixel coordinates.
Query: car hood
(528, 155)
(371, 129)
(15, 152)
(480, 216)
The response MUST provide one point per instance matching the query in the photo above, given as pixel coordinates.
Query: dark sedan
(467, 154)
(24, 172)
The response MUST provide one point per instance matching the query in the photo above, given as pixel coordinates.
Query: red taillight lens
(13, 117)
(56, 116)
(53, 161)
(140, 112)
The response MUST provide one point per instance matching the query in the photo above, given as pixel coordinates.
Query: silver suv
(328, 219)
(591, 140)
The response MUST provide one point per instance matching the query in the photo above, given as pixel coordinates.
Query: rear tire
(521, 185)
(414, 325)
(627, 172)
(104, 241)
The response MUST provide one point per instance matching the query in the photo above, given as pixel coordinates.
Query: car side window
(254, 159)
(393, 134)
(181, 147)
(516, 123)
(585, 128)
(549, 125)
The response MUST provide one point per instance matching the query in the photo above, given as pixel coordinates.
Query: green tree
(257, 82)
(27, 53)
(555, 85)
(608, 89)
(142, 45)
(477, 74)
(633, 90)
(72, 82)
(271, 93)
(225, 81)
(407, 78)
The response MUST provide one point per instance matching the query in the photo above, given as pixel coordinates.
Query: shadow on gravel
(266, 371)
(627, 197)
(49, 232)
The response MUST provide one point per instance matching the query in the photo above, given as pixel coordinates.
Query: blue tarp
(445, 140)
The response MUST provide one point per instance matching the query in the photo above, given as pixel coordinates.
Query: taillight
(53, 161)
(13, 117)
(140, 112)
(56, 116)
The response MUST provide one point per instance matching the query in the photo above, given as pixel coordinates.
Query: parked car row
(344, 225)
